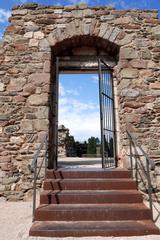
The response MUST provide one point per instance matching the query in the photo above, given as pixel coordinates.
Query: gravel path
(15, 222)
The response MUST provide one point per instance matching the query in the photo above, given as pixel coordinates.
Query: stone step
(94, 212)
(88, 173)
(92, 196)
(89, 184)
(93, 228)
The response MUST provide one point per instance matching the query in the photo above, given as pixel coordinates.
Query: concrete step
(94, 212)
(89, 184)
(88, 173)
(93, 228)
(92, 196)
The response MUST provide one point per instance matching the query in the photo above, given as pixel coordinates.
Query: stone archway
(69, 43)
(32, 39)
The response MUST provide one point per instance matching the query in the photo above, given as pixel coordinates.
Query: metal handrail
(146, 169)
(33, 168)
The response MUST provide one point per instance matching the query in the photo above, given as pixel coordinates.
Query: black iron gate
(108, 139)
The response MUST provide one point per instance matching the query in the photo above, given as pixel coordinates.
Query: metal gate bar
(108, 142)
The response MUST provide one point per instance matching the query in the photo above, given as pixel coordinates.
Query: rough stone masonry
(35, 35)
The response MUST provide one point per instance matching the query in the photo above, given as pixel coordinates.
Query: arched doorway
(86, 54)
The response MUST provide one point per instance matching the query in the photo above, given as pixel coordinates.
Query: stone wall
(35, 35)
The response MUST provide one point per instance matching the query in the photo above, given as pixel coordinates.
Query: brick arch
(102, 32)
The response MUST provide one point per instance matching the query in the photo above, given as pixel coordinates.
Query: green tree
(92, 144)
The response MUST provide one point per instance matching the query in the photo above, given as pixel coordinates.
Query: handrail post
(34, 191)
(149, 187)
(131, 156)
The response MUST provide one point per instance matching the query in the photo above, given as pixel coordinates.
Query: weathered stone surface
(134, 104)
(16, 140)
(128, 53)
(107, 17)
(38, 99)
(31, 26)
(128, 92)
(155, 85)
(19, 12)
(156, 32)
(38, 35)
(39, 79)
(138, 63)
(27, 126)
(28, 35)
(42, 112)
(5, 159)
(47, 67)
(41, 124)
(145, 54)
(9, 180)
(129, 73)
(11, 128)
(16, 84)
(2, 87)
(33, 43)
(44, 45)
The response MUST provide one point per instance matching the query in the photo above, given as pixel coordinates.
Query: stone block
(39, 79)
(20, 12)
(156, 32)
(10, 180)
(145, 54)
(38, 99)
(33, 43)
(114, 34)
(5, 166)
(135, 63)
(107, 17)
(129, 73)
(42, 112)
(2, 188)
(38, 35)
(41, 124)
(47, 67)
(134, 104)
(155, 85)
(16, 84)
(31, 26)
(28, 35)
(129, 92)
(2, 174)
(27, 126)
(44, 45)
(12, 128)
(2, 87)
(16, 140)
(128, 53)
(5, 159)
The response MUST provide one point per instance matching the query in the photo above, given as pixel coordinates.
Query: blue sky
(79, 105)
(79, 100)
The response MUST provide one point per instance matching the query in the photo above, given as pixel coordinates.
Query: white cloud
(1, 35)
(95, 78)
(4, 15)
(82, 118)
(82, 125)
(73, 92)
